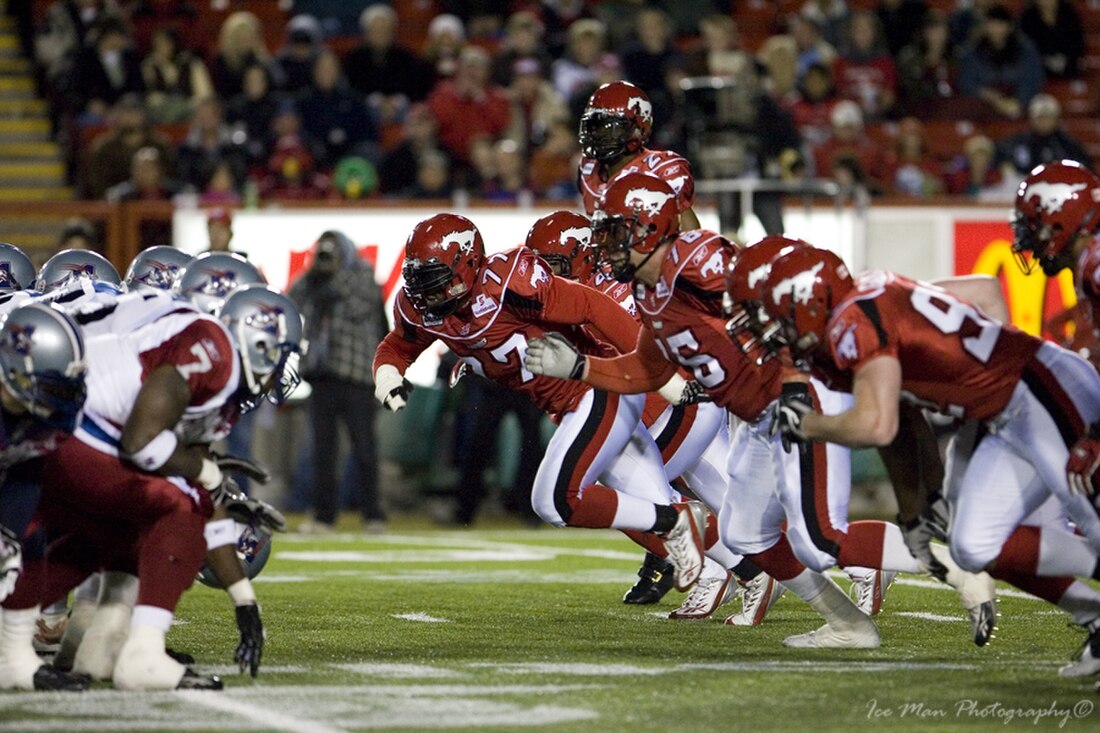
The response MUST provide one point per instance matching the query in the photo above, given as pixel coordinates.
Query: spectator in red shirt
(468, 105)
(865, 72)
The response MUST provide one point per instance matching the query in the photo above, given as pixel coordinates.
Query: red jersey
(953, 358)
(684, 312)
(670, 167)
(514, 299)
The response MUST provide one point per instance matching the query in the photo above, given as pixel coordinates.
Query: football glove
(235, 464)
(930, 525)
(680, 391)
(248, 510)
(554, 356)
(1081, 468)
(251, 648)
(793, 404)
(391, 388)
(226, 490)
(11, 561)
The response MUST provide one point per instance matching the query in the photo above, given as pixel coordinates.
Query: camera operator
(345, 319)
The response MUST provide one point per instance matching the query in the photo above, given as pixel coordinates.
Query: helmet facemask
(605, 136)
(54, 398)
(269, 363)
(753, 331)
(433, 288)
(615, 237)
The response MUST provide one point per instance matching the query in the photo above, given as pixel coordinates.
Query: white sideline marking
(625, 670)
(427, 556)
(929, 616)
(267, 717)
(398, 671)
(422, 617)
(575, 670)
(467, 577)
(231, 670)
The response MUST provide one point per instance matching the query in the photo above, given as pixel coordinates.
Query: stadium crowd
(423, 100)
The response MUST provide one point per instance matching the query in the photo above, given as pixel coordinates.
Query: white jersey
(129, 337)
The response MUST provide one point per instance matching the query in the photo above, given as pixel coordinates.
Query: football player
(165, 381)
(614, 129)
(693, 439)
(42, 389)
(680, 283)
(486, 310)
(1032, 400)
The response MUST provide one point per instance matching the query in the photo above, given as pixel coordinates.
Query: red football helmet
(442, 257)
(799, 293)
(617, 122)
(1056, 202)
(749, 325)
(564, 240)
(636, 212)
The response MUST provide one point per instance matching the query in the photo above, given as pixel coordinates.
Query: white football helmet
(253, 550)
(156, 268)
(209, 278)
(266, 329)
(74, 265)
(42, 363)
(16, 269)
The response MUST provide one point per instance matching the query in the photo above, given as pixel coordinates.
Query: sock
(875, 544)
(651, 542)
(89, 588)
(834, 605)
(18, 661)
(779, 561)
(152, 617)
(116, 587)
(665, 519)
(1081, 602)
(712, 569)
(598, 507)
(746, 570)
(807, 585)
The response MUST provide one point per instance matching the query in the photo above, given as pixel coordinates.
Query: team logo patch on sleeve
(844, 336)
(539, 275)
(714, 266)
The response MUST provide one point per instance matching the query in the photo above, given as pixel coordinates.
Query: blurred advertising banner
(985, 247)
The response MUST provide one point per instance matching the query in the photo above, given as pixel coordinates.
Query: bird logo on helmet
(616, 123)
(253, 551)
(156, 268)
(1054, 204)
(749, 325)
(564, 240)
(800, 292)
(74, 265)
(438, 275)
(211, 277)
(637, 212)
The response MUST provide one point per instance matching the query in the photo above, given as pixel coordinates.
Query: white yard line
(421, 617)
(929, 616)
(234, 706)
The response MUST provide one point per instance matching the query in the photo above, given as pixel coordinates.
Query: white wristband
(156, 452)
(241, 592)
(210, 477)
(220, 532)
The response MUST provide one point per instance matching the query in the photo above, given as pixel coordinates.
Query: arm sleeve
(401, 346)
(575, 304)
(643, 369)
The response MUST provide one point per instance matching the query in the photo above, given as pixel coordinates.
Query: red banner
(985, 247)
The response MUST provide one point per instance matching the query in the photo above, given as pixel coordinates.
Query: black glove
(930, 525)
(248, 509)
(235, 464)
(251, 648)
(226, 490)
(11, 561)
(793, 404)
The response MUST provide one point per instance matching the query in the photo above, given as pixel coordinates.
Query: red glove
(1082, 466)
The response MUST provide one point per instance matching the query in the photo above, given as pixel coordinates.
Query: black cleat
(51, 678)
(193, 681)
(182, 657)
(655, 578)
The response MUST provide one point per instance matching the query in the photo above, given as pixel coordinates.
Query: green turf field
(514, 629)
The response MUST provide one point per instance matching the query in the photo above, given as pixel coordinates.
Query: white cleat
(102, 641)
(685, 543)
(869, 592)
(757, 598)
(143, 665)
(861, 636)
(1087, 661)
(977, 593)
(708, 595)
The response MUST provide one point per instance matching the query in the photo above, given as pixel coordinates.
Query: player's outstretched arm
(148, 440)
(873, 420)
